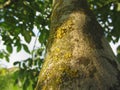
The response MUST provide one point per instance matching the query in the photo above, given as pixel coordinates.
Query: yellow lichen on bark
(68, 55)
(63, 29)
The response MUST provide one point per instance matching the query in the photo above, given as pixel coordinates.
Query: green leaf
(43, 36)
(30, 62)
(27, 36)
(26, 84)
(26, 48)
(1, 55)
(24, 66)
(15, 63)
(9, 48)
(7, 58)
(118, 49)
(19, 48)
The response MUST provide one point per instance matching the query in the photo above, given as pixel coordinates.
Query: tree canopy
(18, 18)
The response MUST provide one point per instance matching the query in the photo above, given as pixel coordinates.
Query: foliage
(7, 80)
(19, 17)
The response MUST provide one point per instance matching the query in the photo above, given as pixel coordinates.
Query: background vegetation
(18, 18)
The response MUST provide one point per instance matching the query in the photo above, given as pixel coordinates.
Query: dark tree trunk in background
(78, 56)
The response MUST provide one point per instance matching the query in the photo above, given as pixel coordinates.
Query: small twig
(34, 45)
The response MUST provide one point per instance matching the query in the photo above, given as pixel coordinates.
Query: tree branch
(7, 3)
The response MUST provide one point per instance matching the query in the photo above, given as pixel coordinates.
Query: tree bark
(78, 56)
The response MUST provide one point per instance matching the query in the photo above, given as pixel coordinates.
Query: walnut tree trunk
(78, 56)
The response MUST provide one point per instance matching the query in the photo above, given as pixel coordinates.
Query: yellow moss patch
(68, 55)
(56, 50)
(55, 58)
(61, 31)
(58, 80)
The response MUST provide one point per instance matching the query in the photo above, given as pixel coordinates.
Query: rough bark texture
(78, 56)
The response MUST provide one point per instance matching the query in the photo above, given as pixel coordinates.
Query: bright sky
(114, 47)
(22, 55)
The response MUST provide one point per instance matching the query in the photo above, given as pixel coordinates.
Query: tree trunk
(78, 56)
